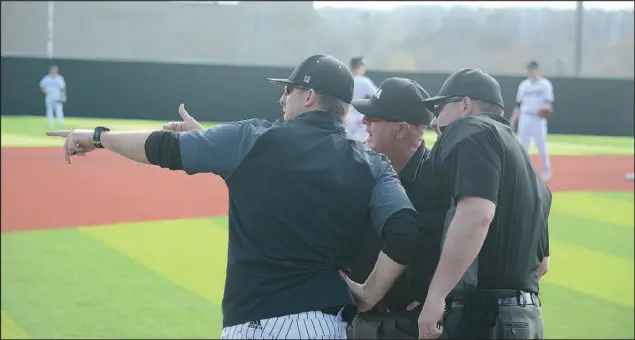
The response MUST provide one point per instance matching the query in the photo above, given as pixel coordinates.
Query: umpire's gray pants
(513, 322)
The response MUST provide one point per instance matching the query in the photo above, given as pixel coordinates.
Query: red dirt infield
(41, 191)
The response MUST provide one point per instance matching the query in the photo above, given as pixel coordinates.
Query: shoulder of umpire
(467, 127)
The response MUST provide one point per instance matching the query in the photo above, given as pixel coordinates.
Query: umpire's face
(297, 100)
(382, 136)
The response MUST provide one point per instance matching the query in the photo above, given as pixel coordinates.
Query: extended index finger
(58, 133)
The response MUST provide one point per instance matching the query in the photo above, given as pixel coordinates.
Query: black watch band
(97, 136)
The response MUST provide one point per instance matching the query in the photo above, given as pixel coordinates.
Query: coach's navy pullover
(300, 194)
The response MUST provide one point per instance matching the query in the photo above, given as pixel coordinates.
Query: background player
(534, 95)
(54, 88)
(364, 89)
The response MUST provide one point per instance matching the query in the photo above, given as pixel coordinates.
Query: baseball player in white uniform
(534, 94)
(364, 89)
(54, 88)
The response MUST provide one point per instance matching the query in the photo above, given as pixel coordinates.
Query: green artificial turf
(165, 278)
(29, 131)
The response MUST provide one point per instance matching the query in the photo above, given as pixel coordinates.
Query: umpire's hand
(430, 319)
(188, 123)
(359, 292)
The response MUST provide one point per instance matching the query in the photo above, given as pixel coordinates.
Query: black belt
(519, 298)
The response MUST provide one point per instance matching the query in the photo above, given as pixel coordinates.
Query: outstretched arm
(217, 150)
(130, 144)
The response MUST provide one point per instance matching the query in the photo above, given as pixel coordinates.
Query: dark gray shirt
(300, 194)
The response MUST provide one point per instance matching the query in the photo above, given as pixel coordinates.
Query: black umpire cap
(469, 82)
(532, 65)
(322, 73)
(397, 100)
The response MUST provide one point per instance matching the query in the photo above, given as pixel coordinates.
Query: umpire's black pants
(518, 317)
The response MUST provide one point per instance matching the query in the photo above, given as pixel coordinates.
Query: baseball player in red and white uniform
(364, 89)
(533, 107)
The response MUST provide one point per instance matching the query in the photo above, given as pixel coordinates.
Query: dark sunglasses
(288, 89)
(439, 107)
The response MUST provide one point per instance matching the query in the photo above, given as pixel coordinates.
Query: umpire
(396, 119)
(497, 237)
(300, 193)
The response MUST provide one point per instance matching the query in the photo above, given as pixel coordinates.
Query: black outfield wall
(225, 93)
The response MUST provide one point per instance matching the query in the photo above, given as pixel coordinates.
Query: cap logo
(307, 79)
(378, 94)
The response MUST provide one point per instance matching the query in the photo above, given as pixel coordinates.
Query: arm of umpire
(394, 216)
(217, 150)
(474, 170)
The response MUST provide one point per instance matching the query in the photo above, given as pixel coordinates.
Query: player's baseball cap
(532, 64)
(397, 100)
(322, 73)
(469, 82)
(357, 62)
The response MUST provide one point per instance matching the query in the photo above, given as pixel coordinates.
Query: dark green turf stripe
(571, 314)
(63, 284)
(603, 237)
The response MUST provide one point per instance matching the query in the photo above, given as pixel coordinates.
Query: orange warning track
(41, 191)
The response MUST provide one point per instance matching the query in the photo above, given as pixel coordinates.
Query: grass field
(28, 131)
(164, 279)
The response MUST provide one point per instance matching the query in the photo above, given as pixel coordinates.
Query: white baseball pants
(54, 107)
(534, 128)
(309, 325)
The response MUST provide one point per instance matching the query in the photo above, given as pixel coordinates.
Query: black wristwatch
(97, 136)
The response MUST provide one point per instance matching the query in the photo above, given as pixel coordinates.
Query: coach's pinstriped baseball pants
(309, 325)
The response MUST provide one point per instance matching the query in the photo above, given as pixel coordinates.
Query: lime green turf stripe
(616, 195)
(10, 329)
(63, 284)
(604, 237)
(573, 315)
(594, 207)
(604, 276)
(191, 253)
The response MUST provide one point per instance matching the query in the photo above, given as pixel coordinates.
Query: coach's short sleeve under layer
(388, 196)
(220, 149)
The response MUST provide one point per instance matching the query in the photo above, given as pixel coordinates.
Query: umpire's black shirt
(413, 285)
(479, 156)
(300, 194)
